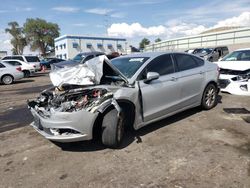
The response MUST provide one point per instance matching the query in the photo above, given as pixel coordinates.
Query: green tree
(40, 34)
(158, 40)
(18, 40)
(143, 43)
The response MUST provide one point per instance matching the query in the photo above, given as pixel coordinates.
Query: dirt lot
(191, 149)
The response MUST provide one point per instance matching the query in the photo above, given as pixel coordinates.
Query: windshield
(243, 55)
(32, 59)
(203, 50)
(128, 66)
(78, 57)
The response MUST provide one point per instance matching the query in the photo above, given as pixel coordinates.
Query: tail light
(19, 69)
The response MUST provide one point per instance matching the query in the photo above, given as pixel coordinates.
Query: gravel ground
(192, 149)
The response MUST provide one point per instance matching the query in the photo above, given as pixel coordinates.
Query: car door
(2, 68)
(160, 96)
(191, 78)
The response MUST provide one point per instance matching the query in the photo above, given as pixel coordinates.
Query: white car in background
(32, 60)
(27, 68)
(235, 72)
(9, 73)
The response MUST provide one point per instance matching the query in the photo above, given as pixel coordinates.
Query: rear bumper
(65, 126)
(18, 76)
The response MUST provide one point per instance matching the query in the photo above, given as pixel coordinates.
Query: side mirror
(151, 76)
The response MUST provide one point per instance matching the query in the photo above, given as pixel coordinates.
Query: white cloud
(79, 24)
(99, 11)
(117, 15)
(65, 9)
(141, 2)
(242, 20)
(5, 41)
(173, 28)
(134, 30)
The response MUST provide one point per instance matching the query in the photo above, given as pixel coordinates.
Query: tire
(112, 129)
(209, 98)
(7, 79)
(26, 73)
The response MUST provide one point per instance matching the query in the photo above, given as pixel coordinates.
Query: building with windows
(232, 38)
(2, 54)
(68, 46)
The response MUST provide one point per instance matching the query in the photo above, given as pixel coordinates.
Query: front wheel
(113, 128)
(209, 98)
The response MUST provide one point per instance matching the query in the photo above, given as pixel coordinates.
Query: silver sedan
(133, 90)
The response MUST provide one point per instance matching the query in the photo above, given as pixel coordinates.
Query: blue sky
(132, 19)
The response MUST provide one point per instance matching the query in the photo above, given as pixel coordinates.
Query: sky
(130, 19)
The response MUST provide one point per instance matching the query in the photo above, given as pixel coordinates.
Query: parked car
(48, 61)
(133, 90)
(33, 60)
(79, 59)
(211, 54)
(27, 68)
(10, 73)
(235, 72)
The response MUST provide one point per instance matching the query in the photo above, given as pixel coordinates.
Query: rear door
(160, 97)
(2, 68)
(191, 78)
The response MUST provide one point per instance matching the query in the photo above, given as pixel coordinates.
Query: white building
(68, 46)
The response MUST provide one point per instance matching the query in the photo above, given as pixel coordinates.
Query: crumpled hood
(234, 65)
(89, 73)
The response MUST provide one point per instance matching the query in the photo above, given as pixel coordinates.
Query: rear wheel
(113, 128)
(209, 98)
(7, 79)
(26, 73)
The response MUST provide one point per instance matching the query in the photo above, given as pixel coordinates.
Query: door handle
(173, 79)
(201, 72)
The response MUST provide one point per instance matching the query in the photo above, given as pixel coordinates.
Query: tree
(158, 40)
(18, 40)
(143, 43)
(40, 34)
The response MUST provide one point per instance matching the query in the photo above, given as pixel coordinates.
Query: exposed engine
(69, 100)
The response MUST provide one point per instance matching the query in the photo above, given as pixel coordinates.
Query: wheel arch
(7, 75)
(127, 107)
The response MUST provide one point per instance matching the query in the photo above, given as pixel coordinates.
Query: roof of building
(87, 37)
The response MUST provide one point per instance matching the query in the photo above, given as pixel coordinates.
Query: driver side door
(160, 96)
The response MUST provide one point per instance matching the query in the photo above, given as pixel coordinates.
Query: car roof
(91, 53)
(242, 49)
(145, 54)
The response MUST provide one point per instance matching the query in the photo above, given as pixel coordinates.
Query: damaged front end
(68, 111)
(235, 82)
(68, 115)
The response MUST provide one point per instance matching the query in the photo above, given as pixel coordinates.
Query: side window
(1, 65)
(199, 61)
(185, 62)
(14, 63)
(88, 58)
(5, 58)
(18, 58)
(162, 64)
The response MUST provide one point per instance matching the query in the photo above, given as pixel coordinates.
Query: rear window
(14, 63)
(32, 59)
(199, 61)
(185, 62)
(1, 65)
